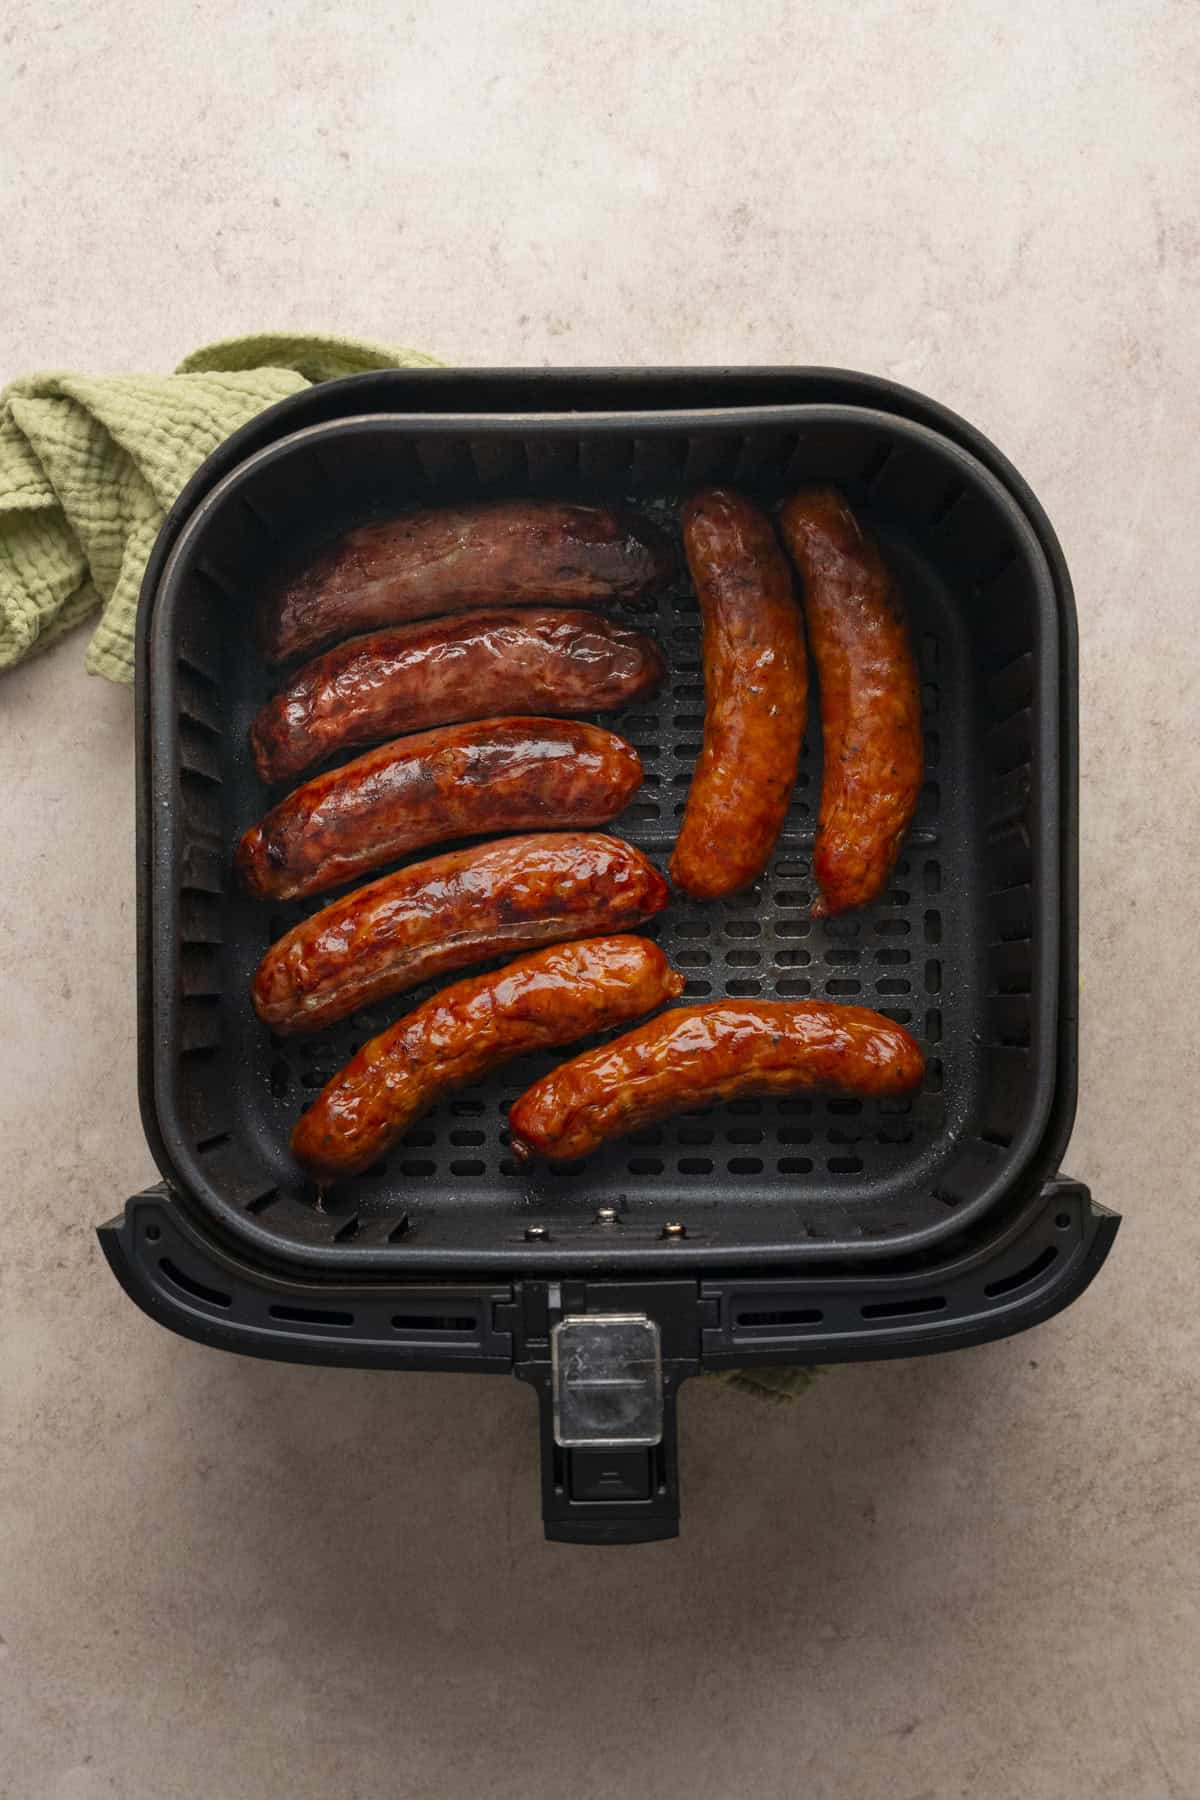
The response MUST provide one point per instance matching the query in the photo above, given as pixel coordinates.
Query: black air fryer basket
(792, 1230)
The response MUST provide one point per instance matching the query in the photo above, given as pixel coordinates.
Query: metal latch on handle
(607, 1381)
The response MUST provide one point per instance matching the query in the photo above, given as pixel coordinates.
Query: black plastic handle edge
(227, 1304)
(571, 1518)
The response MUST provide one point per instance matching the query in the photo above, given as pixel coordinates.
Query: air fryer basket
(230, 1249)
(964, 947)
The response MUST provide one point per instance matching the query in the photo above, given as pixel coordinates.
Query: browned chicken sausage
(870, 700)
(722, 1050)
(494, 776)
(438, 671)
(541, 1001)
(448, 912)
(500, 553)
(755, 692)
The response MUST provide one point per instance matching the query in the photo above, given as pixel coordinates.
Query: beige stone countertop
(972, 1577)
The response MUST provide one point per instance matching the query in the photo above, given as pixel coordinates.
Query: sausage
(870, 700)
(447, 912)
(439, 671)
(755, 682)
(494, 776)
(722, 1050)
(541, 1001)
(501, 553)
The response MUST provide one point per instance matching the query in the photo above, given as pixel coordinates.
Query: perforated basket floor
(962, 948)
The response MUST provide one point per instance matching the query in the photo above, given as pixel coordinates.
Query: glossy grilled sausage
(537, 1003)
(448, 912)
(438, 671)
(494, 776)
(501, 553)
(755, 692)
(695, 1055)
(870, 700)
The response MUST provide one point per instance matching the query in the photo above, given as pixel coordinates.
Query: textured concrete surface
(969, 1577)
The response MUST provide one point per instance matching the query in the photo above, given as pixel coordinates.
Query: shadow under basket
(733, 1228)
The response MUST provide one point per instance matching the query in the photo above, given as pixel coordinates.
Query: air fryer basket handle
(590, 1496)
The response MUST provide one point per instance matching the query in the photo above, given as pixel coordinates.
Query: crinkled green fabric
(89, 466)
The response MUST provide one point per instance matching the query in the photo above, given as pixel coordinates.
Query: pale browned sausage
(498, 553)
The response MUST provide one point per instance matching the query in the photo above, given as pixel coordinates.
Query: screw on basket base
(607, 1215)
(535, 1234)
(674, 1230)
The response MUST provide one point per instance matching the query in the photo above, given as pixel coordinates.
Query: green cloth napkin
(89, 466)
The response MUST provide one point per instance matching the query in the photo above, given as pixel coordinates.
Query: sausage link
(503, 553)
(494, 776)
(870, 700)
(448, 912)
(719, 1051)
(540, 1002)
(439, 671)
(755, 687)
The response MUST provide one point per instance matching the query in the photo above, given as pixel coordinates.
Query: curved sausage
(870, 700)
(439, 671)
(755, 692)
(537, 1003)
(448, 912)
(494, 776)
(500, 553)
(719, 1051)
